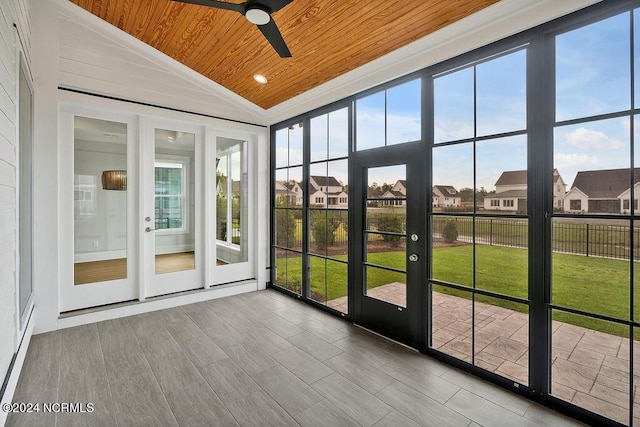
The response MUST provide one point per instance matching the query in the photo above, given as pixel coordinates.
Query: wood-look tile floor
(255, 359)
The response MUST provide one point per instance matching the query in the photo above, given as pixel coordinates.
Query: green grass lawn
(597, 285)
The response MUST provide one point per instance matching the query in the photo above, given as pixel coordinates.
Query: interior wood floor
(255, 359)
(112, 269)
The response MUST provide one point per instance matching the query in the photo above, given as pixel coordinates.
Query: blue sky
(593, 77)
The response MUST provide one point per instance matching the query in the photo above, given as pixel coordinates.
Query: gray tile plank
(41, 368)
(420, 408)
(139, 401)
(302, 365)
(259, 409)
(316, 347)
(324, 413)
(432, 386)
(116, 334)
(198, 405)
(484, 412)
(174, 372)
(251, 358)
(293, 395)
(548, 417)
(295, 314)
(396, 419)
(39, 419)
(229, 381)
(267, 340)
(264, 299)
(125, 363)
(354, 401)
(371, 349)
(196, 343)
(491, 392)
(322, 329)
(369, 378)
(281, 326)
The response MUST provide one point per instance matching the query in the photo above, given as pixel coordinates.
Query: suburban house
(601, 191)
(511, 192)
(398, 192)
(326, 191)
(445, 196)
(442, 195)
(140, 288)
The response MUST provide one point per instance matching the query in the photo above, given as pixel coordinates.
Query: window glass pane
(404, 112)
(591, 364)
(453, 106)
(501, 256)
(501, 337)
(282, 147)
(318, 188)
(592, 69)
(281, 188)
(338, 179)
(317, 279)
(174, 201)
(319, 134)
(338, 222)
(451, 321)
(321, 235)
(231, 201)
(385, 285)
(590, 265)
(593, 159)
(502, 94)
(25, 155)
(100, 200)
(452, 254)
(386, 250)
(636, 57)
(294, 272)
(337, 286)
(453, 178)
(295, 187)
(501, 169)
(339, 133)
(295, 145)
(370, 121)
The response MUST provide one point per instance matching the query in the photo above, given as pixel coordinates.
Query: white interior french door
(171, 221)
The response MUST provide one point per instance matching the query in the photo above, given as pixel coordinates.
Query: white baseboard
(14, 375)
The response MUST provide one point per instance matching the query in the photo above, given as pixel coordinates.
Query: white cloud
(574, 161)
(592, 140)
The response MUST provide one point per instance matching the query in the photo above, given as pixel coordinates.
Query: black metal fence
(581, 238)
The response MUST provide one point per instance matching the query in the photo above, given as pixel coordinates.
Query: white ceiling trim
(92, 23)
(493, 23)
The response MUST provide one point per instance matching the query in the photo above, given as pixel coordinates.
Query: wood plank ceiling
(327, 38)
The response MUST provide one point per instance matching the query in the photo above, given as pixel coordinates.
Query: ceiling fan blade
(276, 5)
(273, 36)
(238, 7)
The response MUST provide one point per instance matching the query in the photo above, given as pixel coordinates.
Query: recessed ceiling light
(260, 78)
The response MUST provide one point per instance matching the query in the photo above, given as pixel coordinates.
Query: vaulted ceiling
(327, 38)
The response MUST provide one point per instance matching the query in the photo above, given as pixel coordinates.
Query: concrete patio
(590, 368)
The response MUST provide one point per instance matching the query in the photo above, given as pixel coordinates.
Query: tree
(285, 225)
(466, 195)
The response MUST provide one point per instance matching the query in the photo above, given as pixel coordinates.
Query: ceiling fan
(257, 12)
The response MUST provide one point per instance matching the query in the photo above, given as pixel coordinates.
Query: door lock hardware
(413, 257)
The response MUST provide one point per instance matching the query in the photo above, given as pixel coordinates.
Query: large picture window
(532, 160)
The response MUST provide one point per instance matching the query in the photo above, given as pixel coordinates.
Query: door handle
(149, 229)
(413, 257)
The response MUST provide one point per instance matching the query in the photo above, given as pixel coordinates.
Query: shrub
(323, 230)
(391, 223)
(450, 231)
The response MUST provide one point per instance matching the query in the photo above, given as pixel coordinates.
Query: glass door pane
(385, 235)
(174, 201)
(99, 201)
(231, 201)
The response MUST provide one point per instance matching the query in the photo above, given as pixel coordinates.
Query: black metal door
(388, 240)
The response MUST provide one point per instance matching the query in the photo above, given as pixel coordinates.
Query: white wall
(18, 12)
